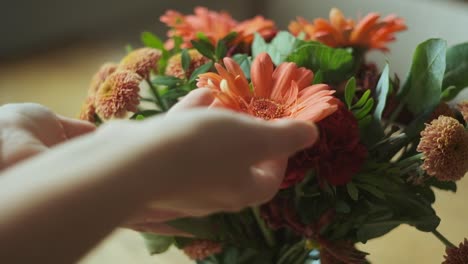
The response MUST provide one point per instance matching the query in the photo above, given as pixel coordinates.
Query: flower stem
(156, 94)
(443, 239)
(290, 251)
(267, 234)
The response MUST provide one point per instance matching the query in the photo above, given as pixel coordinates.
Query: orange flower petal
(261, 72)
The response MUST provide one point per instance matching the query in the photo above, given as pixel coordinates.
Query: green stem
(267, 233)
(290, 251)
(159, 100)
(443, 239)
(410, 160)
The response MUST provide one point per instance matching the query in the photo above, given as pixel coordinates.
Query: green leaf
(205, 48)
(145, 113)
(166, 81)
(177, 43)
(202, 69)
(361, 113)
(278, 49)
(342, 207)
(230, 37)
(423, 87)
(201, 228)
(372, 190)
(221, 50)
(336, 65)
(362, 100)
(152, 41)
(185, 57)
(456, 72)
(318, 77)
(128, 48)
(157, 244)
(442, 185)
(372, 230)
(352, 191)
(350, 91)
(245, 62)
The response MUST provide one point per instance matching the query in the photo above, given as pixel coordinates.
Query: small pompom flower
(141, 61)
(118, 94)
(88, 110)
(463, 108)
(457, 255)
(100, 76)
(201, 249)
(174, 65)
(444, 144)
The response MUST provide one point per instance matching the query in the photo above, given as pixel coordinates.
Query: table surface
(59, 80)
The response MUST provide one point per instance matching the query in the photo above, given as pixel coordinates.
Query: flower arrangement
(384, 145)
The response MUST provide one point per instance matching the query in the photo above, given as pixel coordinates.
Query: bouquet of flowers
(384, 144)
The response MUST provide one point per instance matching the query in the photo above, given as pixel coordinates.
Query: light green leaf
(157, 244)
(362, 100)
(423, 88)
(152, 41)
(381, 93)
(336, 65)
(456, 72)
(245, 62)
(278, 49)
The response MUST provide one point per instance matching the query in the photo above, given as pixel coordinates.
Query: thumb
(74, 127)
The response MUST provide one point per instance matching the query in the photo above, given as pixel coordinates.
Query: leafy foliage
(279, 48)
(456, 70)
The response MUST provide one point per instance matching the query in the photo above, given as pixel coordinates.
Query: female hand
(28, 129)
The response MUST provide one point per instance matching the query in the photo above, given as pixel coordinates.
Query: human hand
(28, 129)
(245, 180)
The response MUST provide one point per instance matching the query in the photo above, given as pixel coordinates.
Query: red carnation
(336, 157)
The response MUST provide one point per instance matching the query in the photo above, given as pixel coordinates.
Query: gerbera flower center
(265, 108)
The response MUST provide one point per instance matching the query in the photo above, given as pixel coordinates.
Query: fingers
(74, 127)
(265, 140)
(266, 179)
(196, 98)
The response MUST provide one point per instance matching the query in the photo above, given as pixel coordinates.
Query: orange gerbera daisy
(214, 25)
(368, 33)
(284, 92)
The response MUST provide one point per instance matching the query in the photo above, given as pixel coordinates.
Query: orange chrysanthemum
(214, 25)
(174, 65)
(368, 33)
(444, 144)
(463, 108)
(284, 92)
(88, 110)
(201, 249)
(104, 71)
(141, 61)
(118, 94)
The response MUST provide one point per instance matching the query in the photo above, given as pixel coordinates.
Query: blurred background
(49, 50)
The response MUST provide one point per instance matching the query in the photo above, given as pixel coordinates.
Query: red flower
(336, 157)
(457, 255)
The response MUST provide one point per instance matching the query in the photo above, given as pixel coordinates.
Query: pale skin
(65, 185)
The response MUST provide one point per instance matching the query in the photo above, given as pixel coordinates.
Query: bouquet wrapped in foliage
(384, 145)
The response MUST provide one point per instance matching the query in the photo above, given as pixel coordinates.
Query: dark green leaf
(350, 91)
(221, 50)
(318, 77)
(372, 190)
(279, 48)
(336, 65)
(152, 41)
(157, 244)
(230, 37)
(342, 207)
(443, 185)
(145, 113)
(202, 69)
(166, 81)
(185, 57)
(423, 88)
(352, 191)
(205, 48)
(456, 72)
(372, 230)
